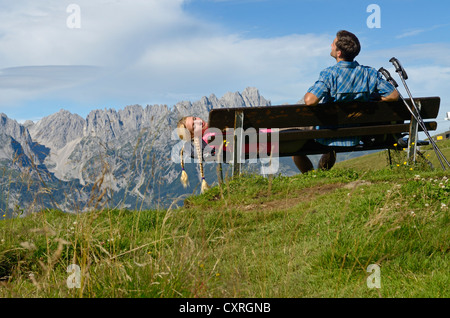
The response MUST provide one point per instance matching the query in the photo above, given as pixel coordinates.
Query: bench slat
(350, 132)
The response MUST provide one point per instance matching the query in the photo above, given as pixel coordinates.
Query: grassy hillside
(311, 235)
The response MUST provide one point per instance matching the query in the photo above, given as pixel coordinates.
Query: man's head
(345, 46)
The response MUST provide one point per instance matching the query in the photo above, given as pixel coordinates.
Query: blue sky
(165, 51)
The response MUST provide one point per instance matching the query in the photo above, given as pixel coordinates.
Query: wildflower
(217, 274)
(412, 214)
(444, 206)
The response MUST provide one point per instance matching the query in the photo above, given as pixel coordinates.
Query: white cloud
(36, 33)
(45, 77)
(411, 33)
(427, 67)
(151, 51)
(147, 50)
(34, 37)
(265, 63)
(417, 31)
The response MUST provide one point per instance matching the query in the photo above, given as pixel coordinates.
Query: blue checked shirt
(345, 82)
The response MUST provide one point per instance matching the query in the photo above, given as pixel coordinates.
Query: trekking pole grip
(388, 76)
(399, 68)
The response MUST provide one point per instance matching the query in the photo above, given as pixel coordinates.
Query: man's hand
(311, 99)
(392, 97)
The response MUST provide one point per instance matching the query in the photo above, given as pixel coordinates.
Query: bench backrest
(329, 114)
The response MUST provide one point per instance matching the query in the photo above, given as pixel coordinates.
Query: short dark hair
(348, 44)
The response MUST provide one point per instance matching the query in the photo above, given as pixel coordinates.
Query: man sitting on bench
(345, 81)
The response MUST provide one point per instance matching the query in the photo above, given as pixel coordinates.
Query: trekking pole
(389, 78)
(412, 140)
(402, 73)
(394, 83)
(417, 116)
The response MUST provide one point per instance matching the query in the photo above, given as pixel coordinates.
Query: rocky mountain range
(116, 158)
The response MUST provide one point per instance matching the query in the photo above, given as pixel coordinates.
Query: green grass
(311, 235)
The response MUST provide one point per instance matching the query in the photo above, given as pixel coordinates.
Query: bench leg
(412, 142)
(238, 135)
(389, 156)
(219, 173)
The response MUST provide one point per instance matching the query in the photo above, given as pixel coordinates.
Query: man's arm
(311, 99)
(392, 97)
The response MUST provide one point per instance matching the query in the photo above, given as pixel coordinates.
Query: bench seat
(380, 124)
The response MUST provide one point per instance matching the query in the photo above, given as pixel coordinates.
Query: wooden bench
(378, 123)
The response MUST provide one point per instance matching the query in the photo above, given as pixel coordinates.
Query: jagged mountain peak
(12, 128)
(252, 97)
(56, 130)
(129, 149)
(249, 97)
(15, 142)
